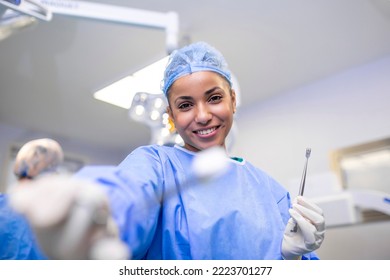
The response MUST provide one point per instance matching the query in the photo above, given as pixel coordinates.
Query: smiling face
(201, 105)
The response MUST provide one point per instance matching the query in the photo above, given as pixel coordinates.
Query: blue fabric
(17, 241)
(241, 215)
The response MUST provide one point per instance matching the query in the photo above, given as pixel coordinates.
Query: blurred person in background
(35, 159)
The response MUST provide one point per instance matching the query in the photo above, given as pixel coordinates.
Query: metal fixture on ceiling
(45, 9)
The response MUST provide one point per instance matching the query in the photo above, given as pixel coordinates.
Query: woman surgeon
(241, 214)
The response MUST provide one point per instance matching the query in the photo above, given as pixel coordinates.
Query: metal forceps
(303, 181)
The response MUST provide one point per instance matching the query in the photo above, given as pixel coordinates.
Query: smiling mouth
(206, 131)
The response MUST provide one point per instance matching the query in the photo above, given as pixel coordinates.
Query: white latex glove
(71, 218)
(310, 230)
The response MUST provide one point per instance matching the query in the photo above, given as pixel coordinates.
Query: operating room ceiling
(50, 70)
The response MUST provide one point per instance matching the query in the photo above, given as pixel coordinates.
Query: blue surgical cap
(194, 58)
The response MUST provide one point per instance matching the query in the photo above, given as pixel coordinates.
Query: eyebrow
(208, 92)
(212, 90)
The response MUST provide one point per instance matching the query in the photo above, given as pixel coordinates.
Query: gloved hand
(71, 218)
(305, 230)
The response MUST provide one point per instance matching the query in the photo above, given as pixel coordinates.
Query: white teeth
(206, 131)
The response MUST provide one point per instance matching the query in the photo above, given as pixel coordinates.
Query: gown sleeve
(17, 239)
(134, 189)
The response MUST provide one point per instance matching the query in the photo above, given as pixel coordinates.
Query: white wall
(347, 109)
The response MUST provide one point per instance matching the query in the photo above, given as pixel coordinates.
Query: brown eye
(184, 106)
(215, 98)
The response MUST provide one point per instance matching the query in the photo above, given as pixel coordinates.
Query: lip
(207, 131)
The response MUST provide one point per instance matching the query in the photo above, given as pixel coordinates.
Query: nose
(203, 114)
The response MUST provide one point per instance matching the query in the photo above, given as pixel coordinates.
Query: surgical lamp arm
(167, 21)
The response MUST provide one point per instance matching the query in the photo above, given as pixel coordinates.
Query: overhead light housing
(122, 92)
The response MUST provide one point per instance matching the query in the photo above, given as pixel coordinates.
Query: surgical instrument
(303, 181)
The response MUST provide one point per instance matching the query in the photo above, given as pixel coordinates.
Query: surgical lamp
(150, 109)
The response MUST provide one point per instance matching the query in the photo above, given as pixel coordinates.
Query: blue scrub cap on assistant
(194, 58)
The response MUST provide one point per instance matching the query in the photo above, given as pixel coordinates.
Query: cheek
(182, 120)
(226, 112)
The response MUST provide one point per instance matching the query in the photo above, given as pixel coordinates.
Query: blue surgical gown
(163, 213)
(17, 240)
